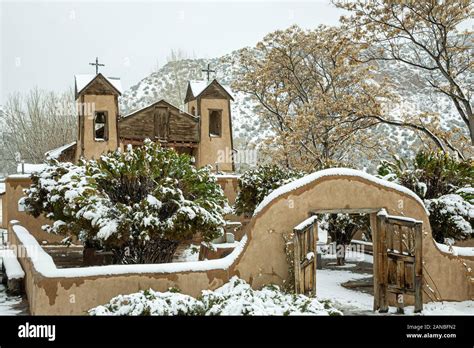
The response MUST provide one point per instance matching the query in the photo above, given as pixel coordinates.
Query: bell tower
(97, 108)
(210, 101)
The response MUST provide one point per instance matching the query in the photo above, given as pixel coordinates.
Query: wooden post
(296, 252)
(418, 267)
(315, 250)
(382, 269)
(374, 226)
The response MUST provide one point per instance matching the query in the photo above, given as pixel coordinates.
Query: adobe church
(203, 130)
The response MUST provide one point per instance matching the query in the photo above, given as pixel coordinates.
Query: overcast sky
(45, 43)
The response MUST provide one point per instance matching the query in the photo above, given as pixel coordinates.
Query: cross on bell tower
(208, 71)
(96, 65)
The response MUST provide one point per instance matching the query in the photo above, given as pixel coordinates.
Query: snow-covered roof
(55, 153)
(2, 188)
(29, 168)
(198, 86)
(83, 80)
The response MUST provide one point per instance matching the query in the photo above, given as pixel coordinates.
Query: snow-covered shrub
(342, 228)
(238, 298)
(257, 183)
(445, 184)
(451, 216)
(139, 203)
(430, 174)
(150, 302)
(234, 298)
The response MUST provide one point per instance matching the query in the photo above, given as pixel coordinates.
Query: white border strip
(44, 264)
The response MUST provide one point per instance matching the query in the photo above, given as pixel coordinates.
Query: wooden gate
(304, 242)
(399, 268)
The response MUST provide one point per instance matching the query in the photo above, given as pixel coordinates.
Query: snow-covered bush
(151, 302)
(430, 174)
(139, 203)
(445, 184)
(234, 298)
(342, 228)
(257, 183)
(451, 216)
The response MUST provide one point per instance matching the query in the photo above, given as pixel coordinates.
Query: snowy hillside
(170, 82)
(414, 94)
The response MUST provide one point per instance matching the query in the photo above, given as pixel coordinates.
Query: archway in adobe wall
(263, 260)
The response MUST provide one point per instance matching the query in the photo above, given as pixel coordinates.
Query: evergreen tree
(139, 203)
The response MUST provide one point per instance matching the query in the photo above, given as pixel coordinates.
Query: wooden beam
(345, 211)
(418, 268)
(296, 261)
(315, 249)
(375, 249)
(382, 268)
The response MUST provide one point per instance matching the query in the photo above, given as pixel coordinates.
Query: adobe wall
(59, 295)
(14, 186)
(261, 257)
(263, 261)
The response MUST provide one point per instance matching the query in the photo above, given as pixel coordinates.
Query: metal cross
(208, 71)
(96, 65)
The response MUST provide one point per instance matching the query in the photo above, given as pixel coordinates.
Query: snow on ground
(444, 308)
(351, 256)
(348, 301)
(10, 305)
(328, 287)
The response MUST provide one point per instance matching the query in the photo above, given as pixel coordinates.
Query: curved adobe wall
(260, 259)
(263, 260)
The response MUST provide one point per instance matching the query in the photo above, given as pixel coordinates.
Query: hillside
(170, 81)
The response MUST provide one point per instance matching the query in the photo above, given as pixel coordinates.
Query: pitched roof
(161, 101)
(197, 87)
(82, 81)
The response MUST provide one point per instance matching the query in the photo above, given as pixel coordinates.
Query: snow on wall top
(309, 221)
(2, 188)
(198, 86)
(44, 263)
(29, 168)
(55, 153)
(83, 80)
(456, 251)
(333, 172)
(11, 264)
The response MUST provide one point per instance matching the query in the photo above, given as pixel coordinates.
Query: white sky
(44, 43)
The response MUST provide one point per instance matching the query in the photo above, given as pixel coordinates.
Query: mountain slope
(170, 82)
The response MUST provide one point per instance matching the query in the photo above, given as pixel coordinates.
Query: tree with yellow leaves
(315, 95)
(424, 35)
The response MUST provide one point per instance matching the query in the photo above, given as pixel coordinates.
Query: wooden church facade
(203, 130)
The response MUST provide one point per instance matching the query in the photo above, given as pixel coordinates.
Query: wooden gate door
(399, 258)
(304, 242)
